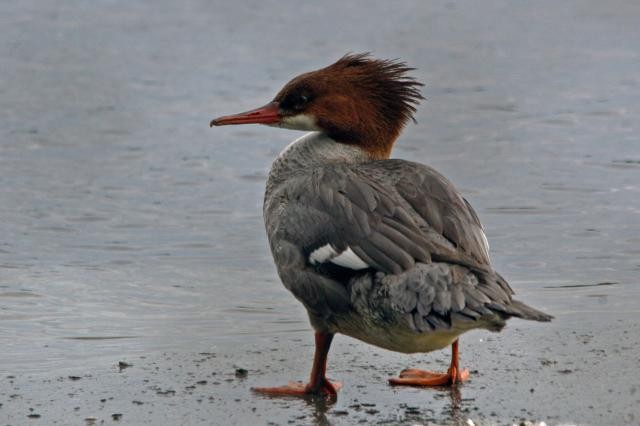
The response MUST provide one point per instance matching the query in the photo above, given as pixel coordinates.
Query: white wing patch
(322, 254)
(349, 259)
(346, 259)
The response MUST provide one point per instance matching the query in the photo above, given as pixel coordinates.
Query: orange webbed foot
(415, 377)
(325, 387)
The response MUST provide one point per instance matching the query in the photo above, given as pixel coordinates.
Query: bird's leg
(414, 377)
(318, 382)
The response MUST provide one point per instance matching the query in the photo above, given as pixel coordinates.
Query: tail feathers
(520, 310)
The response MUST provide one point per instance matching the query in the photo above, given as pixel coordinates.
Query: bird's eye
(296, 101)
(300, 102)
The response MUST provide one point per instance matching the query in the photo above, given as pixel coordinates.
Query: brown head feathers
(357, 100)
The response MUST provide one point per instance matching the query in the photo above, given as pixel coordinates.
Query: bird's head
(357, 100)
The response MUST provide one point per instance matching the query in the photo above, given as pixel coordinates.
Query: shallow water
(129, 228)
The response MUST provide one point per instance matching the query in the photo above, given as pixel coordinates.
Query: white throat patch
(299, 122)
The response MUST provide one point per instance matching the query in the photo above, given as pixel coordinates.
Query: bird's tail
(520, 310)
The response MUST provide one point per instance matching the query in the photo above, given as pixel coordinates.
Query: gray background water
(129, 228)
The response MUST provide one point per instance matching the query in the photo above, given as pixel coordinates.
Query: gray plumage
(429, 271)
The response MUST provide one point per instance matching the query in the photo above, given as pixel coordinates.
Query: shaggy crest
(357, 100)
(387, 82)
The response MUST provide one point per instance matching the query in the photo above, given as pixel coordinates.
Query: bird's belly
(395, 336)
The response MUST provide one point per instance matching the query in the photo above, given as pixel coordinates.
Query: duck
(386, 251)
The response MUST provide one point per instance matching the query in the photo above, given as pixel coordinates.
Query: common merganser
(383, 250)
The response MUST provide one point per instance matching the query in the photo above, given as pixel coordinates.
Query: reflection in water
(322, 409)
(455, 404)
(315, 406)
(319, 407)
(455, 411)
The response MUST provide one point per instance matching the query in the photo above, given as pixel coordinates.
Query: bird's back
(386, 240)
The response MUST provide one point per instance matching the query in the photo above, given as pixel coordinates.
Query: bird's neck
(315, 150)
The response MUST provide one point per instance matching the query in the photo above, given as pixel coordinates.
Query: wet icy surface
(129, 229)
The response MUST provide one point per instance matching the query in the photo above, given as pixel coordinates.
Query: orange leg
(413, 377)
(318, 382)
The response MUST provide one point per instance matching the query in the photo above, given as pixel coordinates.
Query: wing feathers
(397, 213)
(398, 217)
